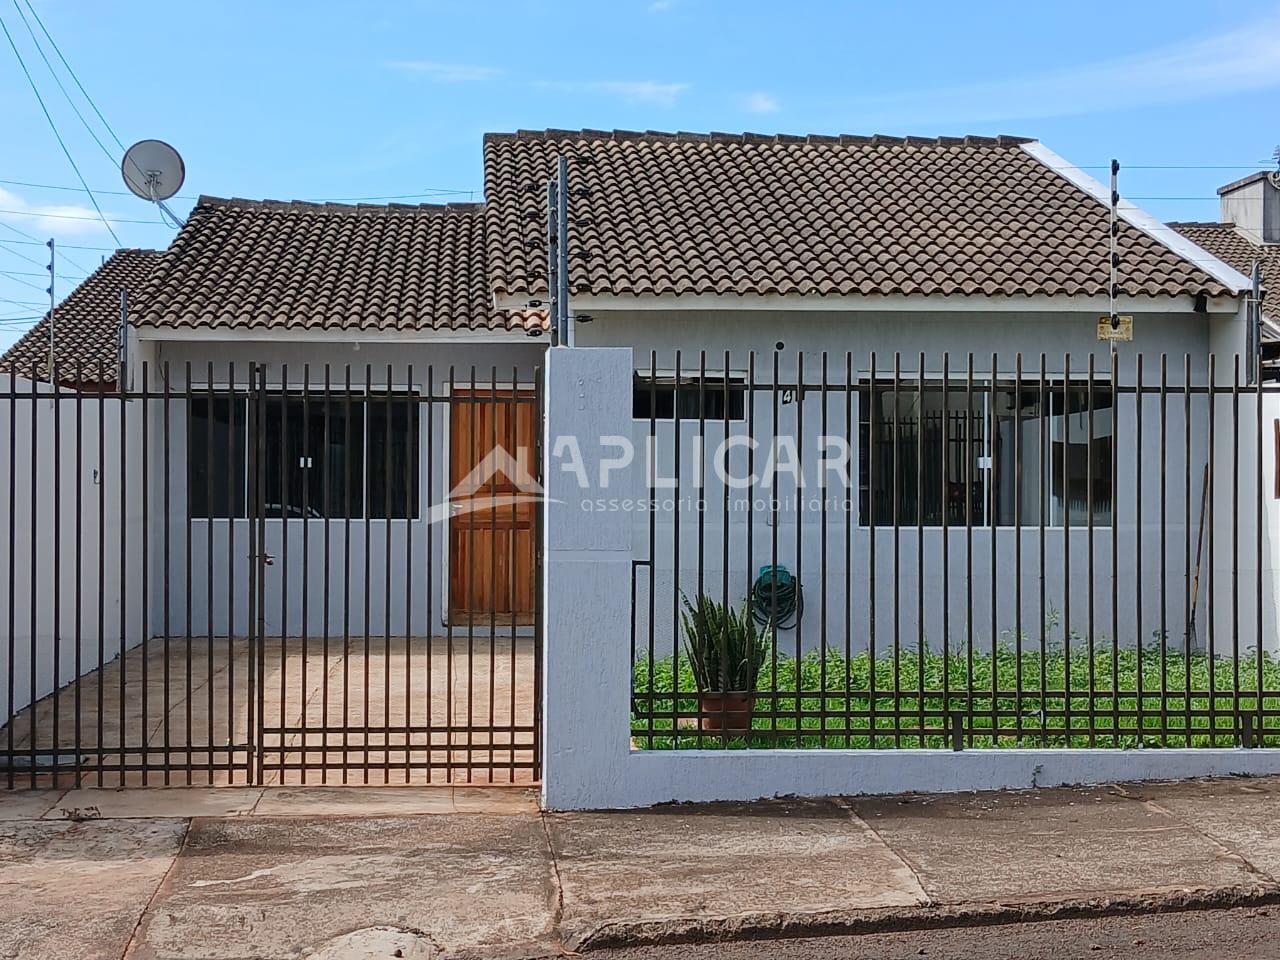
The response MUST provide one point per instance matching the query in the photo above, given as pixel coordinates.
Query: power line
(27, 273)
(73, 216)
(54, 127)
(53, 73)
(427, 192)
(53, 43)
(22, 256)
(25, 283)
(23, 233)
(67, 246)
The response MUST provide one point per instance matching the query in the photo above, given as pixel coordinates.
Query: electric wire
(53, 73)
(23, 233)
(56, 49)
(54, 128)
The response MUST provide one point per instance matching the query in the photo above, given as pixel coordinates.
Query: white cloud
(446, 72)
(1247, 58)
(45, 219)
(631, 91)
(661, 6)
(759, 102)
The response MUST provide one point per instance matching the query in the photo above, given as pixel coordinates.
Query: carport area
(445, 709)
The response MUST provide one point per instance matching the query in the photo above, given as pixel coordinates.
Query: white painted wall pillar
(587, 583)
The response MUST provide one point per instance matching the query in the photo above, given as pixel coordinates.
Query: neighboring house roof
(87, 323)
(244, 265)
(1228, 244)
(686, 214)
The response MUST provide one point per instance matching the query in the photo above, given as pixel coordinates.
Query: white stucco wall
(377, 581)
(57, 601)
(921, 605)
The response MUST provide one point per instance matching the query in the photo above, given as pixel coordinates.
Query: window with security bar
(321, 458)
(1003, 454)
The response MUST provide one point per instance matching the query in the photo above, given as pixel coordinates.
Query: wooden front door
(494, 506)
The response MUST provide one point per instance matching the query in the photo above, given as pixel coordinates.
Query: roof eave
(1217, 268)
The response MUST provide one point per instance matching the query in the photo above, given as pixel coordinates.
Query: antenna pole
(52, 297)
(1114, 231)
(558, 255)
(124, 340)
(562, 248)
(553, 263)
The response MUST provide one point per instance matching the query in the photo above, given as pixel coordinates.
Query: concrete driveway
(416, 710)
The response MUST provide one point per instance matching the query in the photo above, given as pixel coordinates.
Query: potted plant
(726, 649)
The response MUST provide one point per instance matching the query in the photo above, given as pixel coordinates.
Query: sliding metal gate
(270, 574)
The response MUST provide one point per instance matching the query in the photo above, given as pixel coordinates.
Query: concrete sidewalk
(365, 872)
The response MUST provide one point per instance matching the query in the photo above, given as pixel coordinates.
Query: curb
(784, 926)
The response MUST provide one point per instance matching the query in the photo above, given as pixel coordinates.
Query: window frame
(643, 383)
(1056, 384)
(412, 397)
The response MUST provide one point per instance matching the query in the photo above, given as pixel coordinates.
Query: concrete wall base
(645, 778)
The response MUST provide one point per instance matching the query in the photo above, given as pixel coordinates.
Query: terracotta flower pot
(728, 712)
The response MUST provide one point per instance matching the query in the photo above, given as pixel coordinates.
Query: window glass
(313, 458)
(215, 457)
(318, 457)
(979, 456)
(658, 399)
(393, 458)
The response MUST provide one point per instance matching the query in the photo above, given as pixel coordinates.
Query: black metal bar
(970, 683)
(897, 548)
(919, 471)
(1044, 471)
(799, 541)
(102, 563)
(366, 514)
(1188, 621)
(1235, 531)
(1139, 401)
(1092, 581)
(412, 497)
(1164, 545)
(944, 510)
(1066, 552)
(1211, 579)
(387, 520)
(1017, 547)
(991, 426)
(56, 570)
(11, 660)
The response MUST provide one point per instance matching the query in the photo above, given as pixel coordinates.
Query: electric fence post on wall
(1114, 327)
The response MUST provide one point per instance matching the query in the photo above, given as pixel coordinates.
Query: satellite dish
(153, 170)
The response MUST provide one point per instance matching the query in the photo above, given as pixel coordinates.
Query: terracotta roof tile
(684, 214)
(250, 265)
(87, 328)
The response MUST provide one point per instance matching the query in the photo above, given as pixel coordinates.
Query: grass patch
(1007, 700)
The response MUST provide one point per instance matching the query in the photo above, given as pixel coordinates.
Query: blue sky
(336, 100)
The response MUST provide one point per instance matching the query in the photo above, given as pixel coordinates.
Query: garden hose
(776, 598)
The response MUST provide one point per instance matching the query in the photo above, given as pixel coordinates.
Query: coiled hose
(776, 598)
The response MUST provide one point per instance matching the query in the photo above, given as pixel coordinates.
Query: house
(316, 380)
(88, 337)
(1247, 234)
(681, 245)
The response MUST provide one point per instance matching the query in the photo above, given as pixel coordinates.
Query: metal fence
(270, 574)
(955, 553)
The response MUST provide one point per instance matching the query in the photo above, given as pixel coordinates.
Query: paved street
(1244, 934)
(338, 873)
